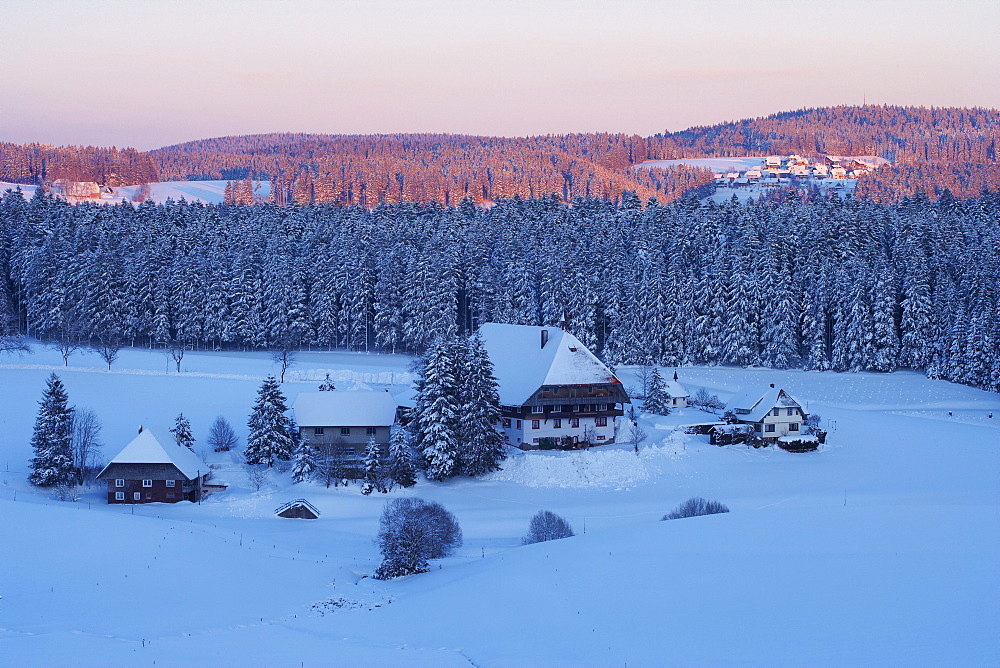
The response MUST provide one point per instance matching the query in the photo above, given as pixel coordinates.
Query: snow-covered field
(881, 548)
(206, 192)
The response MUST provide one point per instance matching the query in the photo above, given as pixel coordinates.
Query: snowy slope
(880, 548)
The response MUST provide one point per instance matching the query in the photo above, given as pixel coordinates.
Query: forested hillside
(931, 150)
(820, 284)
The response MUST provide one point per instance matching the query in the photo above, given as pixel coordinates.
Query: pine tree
(482, 443)
(401, 468)
(327, 385)
(436, 416)
(182, 432)
(373, 468)
(269, 439)
(656, 401)
(52, 439)
(304, 458)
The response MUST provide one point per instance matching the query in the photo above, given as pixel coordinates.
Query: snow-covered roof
(344, 409)
(153, 447)
(759, 402)
(522, 364)
(675, 389)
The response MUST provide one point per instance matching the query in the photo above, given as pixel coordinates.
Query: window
(793, 426)
(769, 427)
(119, 482)
(534, 440)
(557, 408)
(170, 495)
(518, 425)
(370, 431)
(536, 424)
(756, 426)
(601, 421)
(506, 423)
(791, 411)
(318, 431)
(147, 483)
(137, 496)
(574, 422)
(537, 409)
(777, 412)
(557, 423)
(576, 408)
(601, 437)
(345, 431)
(119, 496)
(602, 407)
(171, 483)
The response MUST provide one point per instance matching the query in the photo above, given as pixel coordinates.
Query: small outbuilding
(299, 509)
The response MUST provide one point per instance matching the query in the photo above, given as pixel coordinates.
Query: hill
(931, 149)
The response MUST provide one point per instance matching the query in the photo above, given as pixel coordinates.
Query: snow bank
(614, 467)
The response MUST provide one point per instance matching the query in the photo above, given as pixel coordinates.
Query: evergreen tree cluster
(457, 412)
(825, 283)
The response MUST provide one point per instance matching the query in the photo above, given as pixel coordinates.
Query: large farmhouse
(345, 421)
(155, 468)
(772, 412)
(553, 391)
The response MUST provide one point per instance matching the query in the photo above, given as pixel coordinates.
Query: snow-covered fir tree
(269, 439)
(304, 454)
(401, 469)
(182, 432)
(373, 469)
(327, 385)
(435, 425)
(656, 400)
(52, 438)
(482, 444)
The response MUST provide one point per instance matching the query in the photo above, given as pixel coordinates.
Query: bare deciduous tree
(696, 506)
(221, 435)
(258, 476)
(86, 444)
(108, 346)
(284, 357)
(636, 435)
(546, 525)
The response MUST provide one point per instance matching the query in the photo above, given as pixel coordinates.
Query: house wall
(158, 493)
(359, 435)
(527, 437)
(782, 423)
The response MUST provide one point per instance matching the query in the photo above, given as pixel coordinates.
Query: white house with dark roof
(772, 412)
(346, 420)
(153, 467)
(677, 396)
(553, 390)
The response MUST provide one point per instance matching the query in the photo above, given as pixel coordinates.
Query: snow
(878, 548)
(149, 447)
(337, 409)
(522, 364)
(715, 164)
(206, 192)
(675, 389)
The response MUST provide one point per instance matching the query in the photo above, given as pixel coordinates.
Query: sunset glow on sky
(152, 73)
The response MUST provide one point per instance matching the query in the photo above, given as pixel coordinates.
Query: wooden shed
(298, 509)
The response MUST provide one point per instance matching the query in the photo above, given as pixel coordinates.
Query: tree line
(820, 283)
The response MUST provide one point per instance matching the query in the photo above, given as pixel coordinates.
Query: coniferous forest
(821, 284)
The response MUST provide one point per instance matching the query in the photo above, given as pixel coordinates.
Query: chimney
(772, 386)
(545, 337)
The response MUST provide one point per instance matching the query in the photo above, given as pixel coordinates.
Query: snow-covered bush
(546, 525)
(696, 506)
(411, 531)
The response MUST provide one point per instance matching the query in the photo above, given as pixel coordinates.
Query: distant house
(75, 191)
(772, 162)
(552, 388)
(771, 411)
(152, 467)
(838, 172)
(753, 174)
(345, 421)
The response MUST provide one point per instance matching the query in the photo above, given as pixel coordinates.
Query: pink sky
(157, 72)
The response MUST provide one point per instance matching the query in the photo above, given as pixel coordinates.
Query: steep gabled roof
(344, 409)
(522, 364)
(150, 447)
(675, 389)
(759, 402)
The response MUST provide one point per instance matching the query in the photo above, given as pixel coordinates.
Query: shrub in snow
(546, 525)
(411, 531)
(694, 507)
